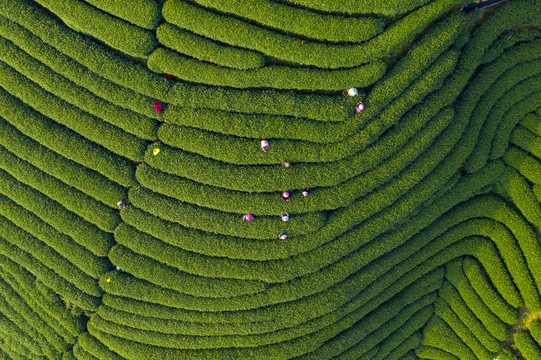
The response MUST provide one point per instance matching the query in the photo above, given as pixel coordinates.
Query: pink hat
(248, 217)
(359, 107)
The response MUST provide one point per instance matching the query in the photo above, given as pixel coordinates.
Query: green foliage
(113, 31)
(508, 40)
(440, 335)
(521, 193)
(527, 346)
(327, 56)
(144, 13)
(527, 141)
(356, 7)
(313, 25)
(204, 49)
(526, 165)
(532, 122)
(71, 173)
(90, 127)
(83, 232)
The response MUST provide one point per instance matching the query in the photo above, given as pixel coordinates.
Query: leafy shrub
(526, 345)
(526, 165)
(84, 233)
(402, 350)
(75, 95)
(71, 173)
(144, 13)
(327, 56)
(92, 346)
(527, 141)
(359, 7)
(204, 49)
(438, 334)
(63, 244)
(508, 40)
(113, 31)
(92, 128)
(457, 306)
(97, 58)
(78, 203)
(65, 142)
(330, 28)
(522, 195)
(532, 123)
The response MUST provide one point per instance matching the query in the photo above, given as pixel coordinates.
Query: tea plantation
(270, 179)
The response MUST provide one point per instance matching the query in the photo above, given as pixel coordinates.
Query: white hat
(353, 92)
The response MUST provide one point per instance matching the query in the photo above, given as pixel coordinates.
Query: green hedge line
(508, 40)
(400, 351)
(246, 151)
(532, 123)
(63, 244)
(169, 277)
(204, 49)
(141, 122)
(92, 128)
(20, 301)
(84, 233)
(113, 31)
(273, 76)
(89, 53)
(439, 335)
(535, 331)
(526, 345)
(527, 141)
(443, 310)
(313, 25)
(92, 346)
(458, 306)
(61, 286)
(91, 210)
(71, 173)
(330, 56)
(65, 142)
(46, 308)
(527, 165)
(515, 13)
(218, 222)
(144, 13)
(43, 254)
(502, 136)
(73, 94)
(361, 7)
(511, 88)
(10, 330)
(521, 193)
(484, 285)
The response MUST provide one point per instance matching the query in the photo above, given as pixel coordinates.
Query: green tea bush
(326, 56)
(527, 141)
(272, 76)
(81, 231)
(300, 22)
(402, 349)
(76, 254)
(92, 128)
(526, 345)
(91, 210)
(508, 40)
(457, 305)
(521, 193)
(65, 142)
(92, 346)
(99, 59)
(528, 166)
(143, 125)
(497, 302)
(532, 123)
(440, 335)
(113, 31)
(71, 173)
(75, 95)
(535, 331)
(10, 330)
(363, 6)
(144, 13)
(203, 49)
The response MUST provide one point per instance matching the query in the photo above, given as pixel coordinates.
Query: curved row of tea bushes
(360, 7)
(81, 231)
(92, 128)
(521, 194)
(527, 345)
(271, 76)
(113, 31)
(143, 13)
(129, 76)
(235, 32)
(508, 40)
(203, 49)
(74, 94)
(294, 20)
(65, 141)
(526, 140)
(527, 165)
(241, 151)
(78, 203)
(76, 254)
(69, 172)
